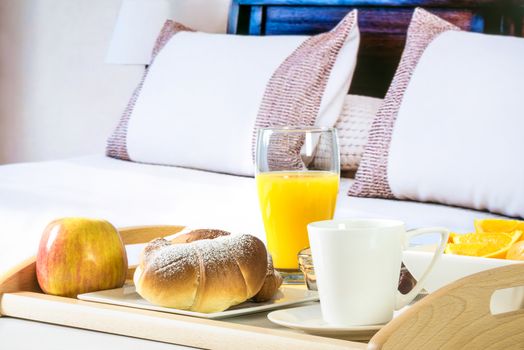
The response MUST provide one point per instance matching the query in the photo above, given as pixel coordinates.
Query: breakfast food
(79, 255)
(271, 283)
(203, 275)
(516, 252)
(486, 245)
(273, 279)
(499, 225)
(494, 238)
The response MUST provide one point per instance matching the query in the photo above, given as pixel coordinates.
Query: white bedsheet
(127, 194)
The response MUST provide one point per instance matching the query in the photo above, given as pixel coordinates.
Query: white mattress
(127, 194)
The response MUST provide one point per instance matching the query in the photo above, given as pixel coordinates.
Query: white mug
(357, 266)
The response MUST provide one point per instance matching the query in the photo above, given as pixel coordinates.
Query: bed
(98, 186)
(129, 194)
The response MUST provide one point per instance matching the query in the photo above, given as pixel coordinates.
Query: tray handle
(144, 234)
(458, 316)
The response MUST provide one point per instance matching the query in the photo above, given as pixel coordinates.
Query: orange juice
(289, 201)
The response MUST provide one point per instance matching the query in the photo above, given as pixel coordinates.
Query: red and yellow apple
(79, 255)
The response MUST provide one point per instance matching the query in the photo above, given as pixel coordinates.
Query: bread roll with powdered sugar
(207, 275)
(273, 280)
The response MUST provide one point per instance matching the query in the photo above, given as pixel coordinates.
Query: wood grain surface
(144, 234)
(458, 316)
(169, 328)
(21, 277)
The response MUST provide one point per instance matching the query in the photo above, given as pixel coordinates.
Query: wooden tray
(456, 316)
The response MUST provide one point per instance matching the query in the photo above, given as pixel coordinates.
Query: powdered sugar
(168, 259)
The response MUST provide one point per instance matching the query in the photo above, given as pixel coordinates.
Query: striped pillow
(371, 179)
(450, 128)
(205, 95)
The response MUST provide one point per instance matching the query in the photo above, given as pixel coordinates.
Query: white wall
(57, 96)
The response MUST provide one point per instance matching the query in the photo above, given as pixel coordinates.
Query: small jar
(305, 263)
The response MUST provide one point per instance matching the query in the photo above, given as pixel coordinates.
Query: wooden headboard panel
(383, 25)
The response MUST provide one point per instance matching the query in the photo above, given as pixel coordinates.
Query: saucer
(309, 319)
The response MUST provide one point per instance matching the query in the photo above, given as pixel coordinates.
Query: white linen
(458, 135)
(128, 194)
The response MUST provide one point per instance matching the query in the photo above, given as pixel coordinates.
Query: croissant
(208, 275)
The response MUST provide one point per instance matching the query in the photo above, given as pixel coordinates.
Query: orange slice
(516, 252)
(497, 238)
(486, 245)
(498, 225)
(470, 249)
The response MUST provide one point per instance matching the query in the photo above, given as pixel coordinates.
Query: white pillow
(198, 104)
(353, 126)
(458, 138)
(450, 127)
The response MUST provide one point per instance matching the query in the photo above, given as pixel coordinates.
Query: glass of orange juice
(297, 176)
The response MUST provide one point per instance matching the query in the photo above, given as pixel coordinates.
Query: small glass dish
(305, 263)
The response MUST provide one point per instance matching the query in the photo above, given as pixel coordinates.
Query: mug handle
(404, 299)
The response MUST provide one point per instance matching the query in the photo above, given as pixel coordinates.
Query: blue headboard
(383, 25)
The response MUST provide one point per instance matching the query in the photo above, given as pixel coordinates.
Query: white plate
(309, 319)
(127, 296)
(449, 268)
